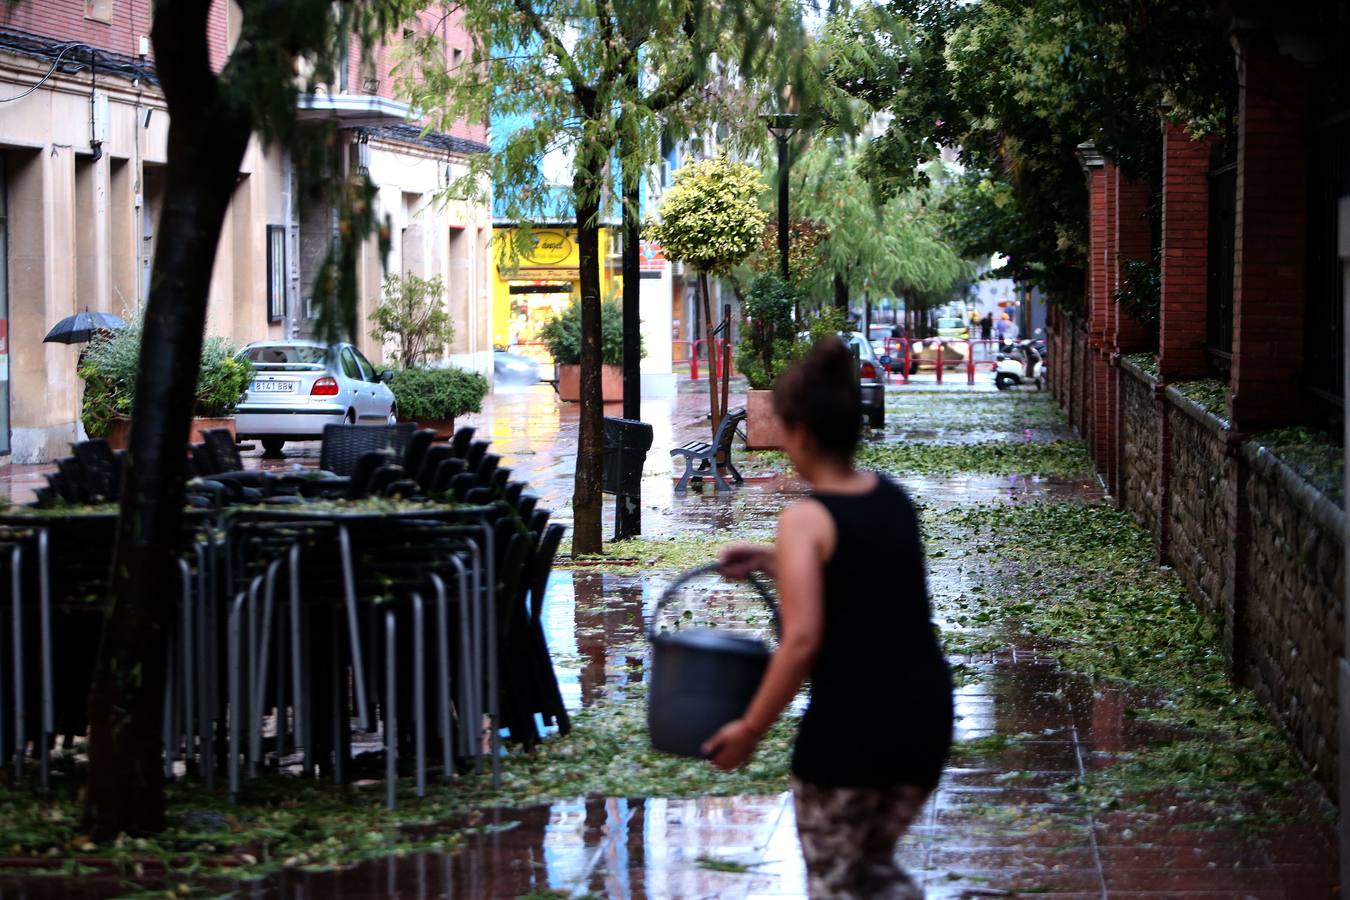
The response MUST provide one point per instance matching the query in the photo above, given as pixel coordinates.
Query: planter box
(611, 383)
(119, 430)
(763, 428)
(444, 428)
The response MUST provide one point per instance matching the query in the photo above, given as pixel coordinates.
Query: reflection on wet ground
(1000, 823)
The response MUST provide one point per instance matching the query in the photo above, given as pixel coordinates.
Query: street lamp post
(783, 126)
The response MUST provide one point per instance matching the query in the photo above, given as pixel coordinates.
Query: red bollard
(970, 362)
(693, 361)
(941, 358)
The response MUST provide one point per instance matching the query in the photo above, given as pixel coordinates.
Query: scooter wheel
(1003, 381)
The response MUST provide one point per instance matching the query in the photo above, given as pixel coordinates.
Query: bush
(412, 313)
(768, 337)
(110, 363)
(426, 394)
(562, 334)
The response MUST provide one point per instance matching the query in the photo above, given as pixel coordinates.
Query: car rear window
(286, 355)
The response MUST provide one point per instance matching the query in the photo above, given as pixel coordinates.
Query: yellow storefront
(531, 287)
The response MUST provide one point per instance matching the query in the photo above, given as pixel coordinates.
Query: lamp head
(782, 125)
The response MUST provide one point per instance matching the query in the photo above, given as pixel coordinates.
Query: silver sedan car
(300, 386)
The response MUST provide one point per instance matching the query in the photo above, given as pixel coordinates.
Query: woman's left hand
(732, 745)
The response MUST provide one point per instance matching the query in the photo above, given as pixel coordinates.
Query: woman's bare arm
(806, 537)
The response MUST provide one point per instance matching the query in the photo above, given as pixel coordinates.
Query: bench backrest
(727, 430)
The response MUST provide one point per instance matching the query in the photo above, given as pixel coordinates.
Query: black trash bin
(625, 452)
(626, 444)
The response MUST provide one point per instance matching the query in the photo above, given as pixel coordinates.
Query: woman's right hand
(737, 561)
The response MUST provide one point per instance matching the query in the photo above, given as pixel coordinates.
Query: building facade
(83, 129)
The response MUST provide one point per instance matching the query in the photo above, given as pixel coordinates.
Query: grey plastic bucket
(702, 678)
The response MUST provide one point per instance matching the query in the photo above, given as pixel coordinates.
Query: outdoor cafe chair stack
(54, 572)
(302, 626)
(385, 568)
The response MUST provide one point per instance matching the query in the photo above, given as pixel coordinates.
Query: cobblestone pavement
(999, 823)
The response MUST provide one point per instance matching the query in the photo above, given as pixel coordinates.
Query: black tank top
(881, 696)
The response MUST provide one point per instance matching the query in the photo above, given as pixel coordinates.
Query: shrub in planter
(768, 346)
(768, 334)
(435, 397)
(562, 336)
(109, 365)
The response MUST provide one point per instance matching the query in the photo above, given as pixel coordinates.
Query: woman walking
(849, 567)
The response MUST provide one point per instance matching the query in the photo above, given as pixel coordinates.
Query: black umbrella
(79, 328)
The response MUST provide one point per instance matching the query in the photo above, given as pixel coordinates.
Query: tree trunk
(587, 496)
(840, 292)
(207, 138)
(710, 345)
(632, 286)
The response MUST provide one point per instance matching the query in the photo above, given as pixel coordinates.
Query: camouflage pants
(848, 838)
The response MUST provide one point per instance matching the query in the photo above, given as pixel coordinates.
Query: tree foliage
(1017, 87)
(711, 218)
(874, 243)
(586, 81)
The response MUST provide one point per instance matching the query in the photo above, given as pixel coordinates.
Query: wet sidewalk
(1010, 817)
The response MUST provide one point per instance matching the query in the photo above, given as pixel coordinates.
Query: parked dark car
(871, 377)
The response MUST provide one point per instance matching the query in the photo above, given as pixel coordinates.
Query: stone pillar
(1185, 247)
(1271, 221)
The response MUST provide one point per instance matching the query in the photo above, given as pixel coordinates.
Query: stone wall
(1201, 518)
(1141, 469)
(1295, 603)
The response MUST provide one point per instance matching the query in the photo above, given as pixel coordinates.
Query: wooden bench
(706, 454)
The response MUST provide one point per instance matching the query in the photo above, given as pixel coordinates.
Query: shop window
(276, 273)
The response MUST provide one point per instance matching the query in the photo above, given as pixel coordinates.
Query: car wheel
(1003, 381)
(272, 447)
(876, 418)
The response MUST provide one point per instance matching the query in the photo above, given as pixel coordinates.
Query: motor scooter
(1021, 363)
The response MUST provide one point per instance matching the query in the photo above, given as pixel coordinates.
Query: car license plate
(274, 387)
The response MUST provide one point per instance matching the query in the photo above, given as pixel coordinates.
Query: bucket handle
(669, 594)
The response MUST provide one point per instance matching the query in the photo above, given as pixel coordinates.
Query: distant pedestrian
(1004, 322)
(873, 741)
(1012, 333)
(987, 327)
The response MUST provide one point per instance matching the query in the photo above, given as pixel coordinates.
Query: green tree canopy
(711, 218)
(873, 243)
(1016, 87)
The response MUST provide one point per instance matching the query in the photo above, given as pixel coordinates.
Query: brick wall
(1270, 234)
(1185, 246)
(65, 20)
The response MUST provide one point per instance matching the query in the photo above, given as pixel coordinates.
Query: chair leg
(683, 484)
(420, 694)
(390, 711)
